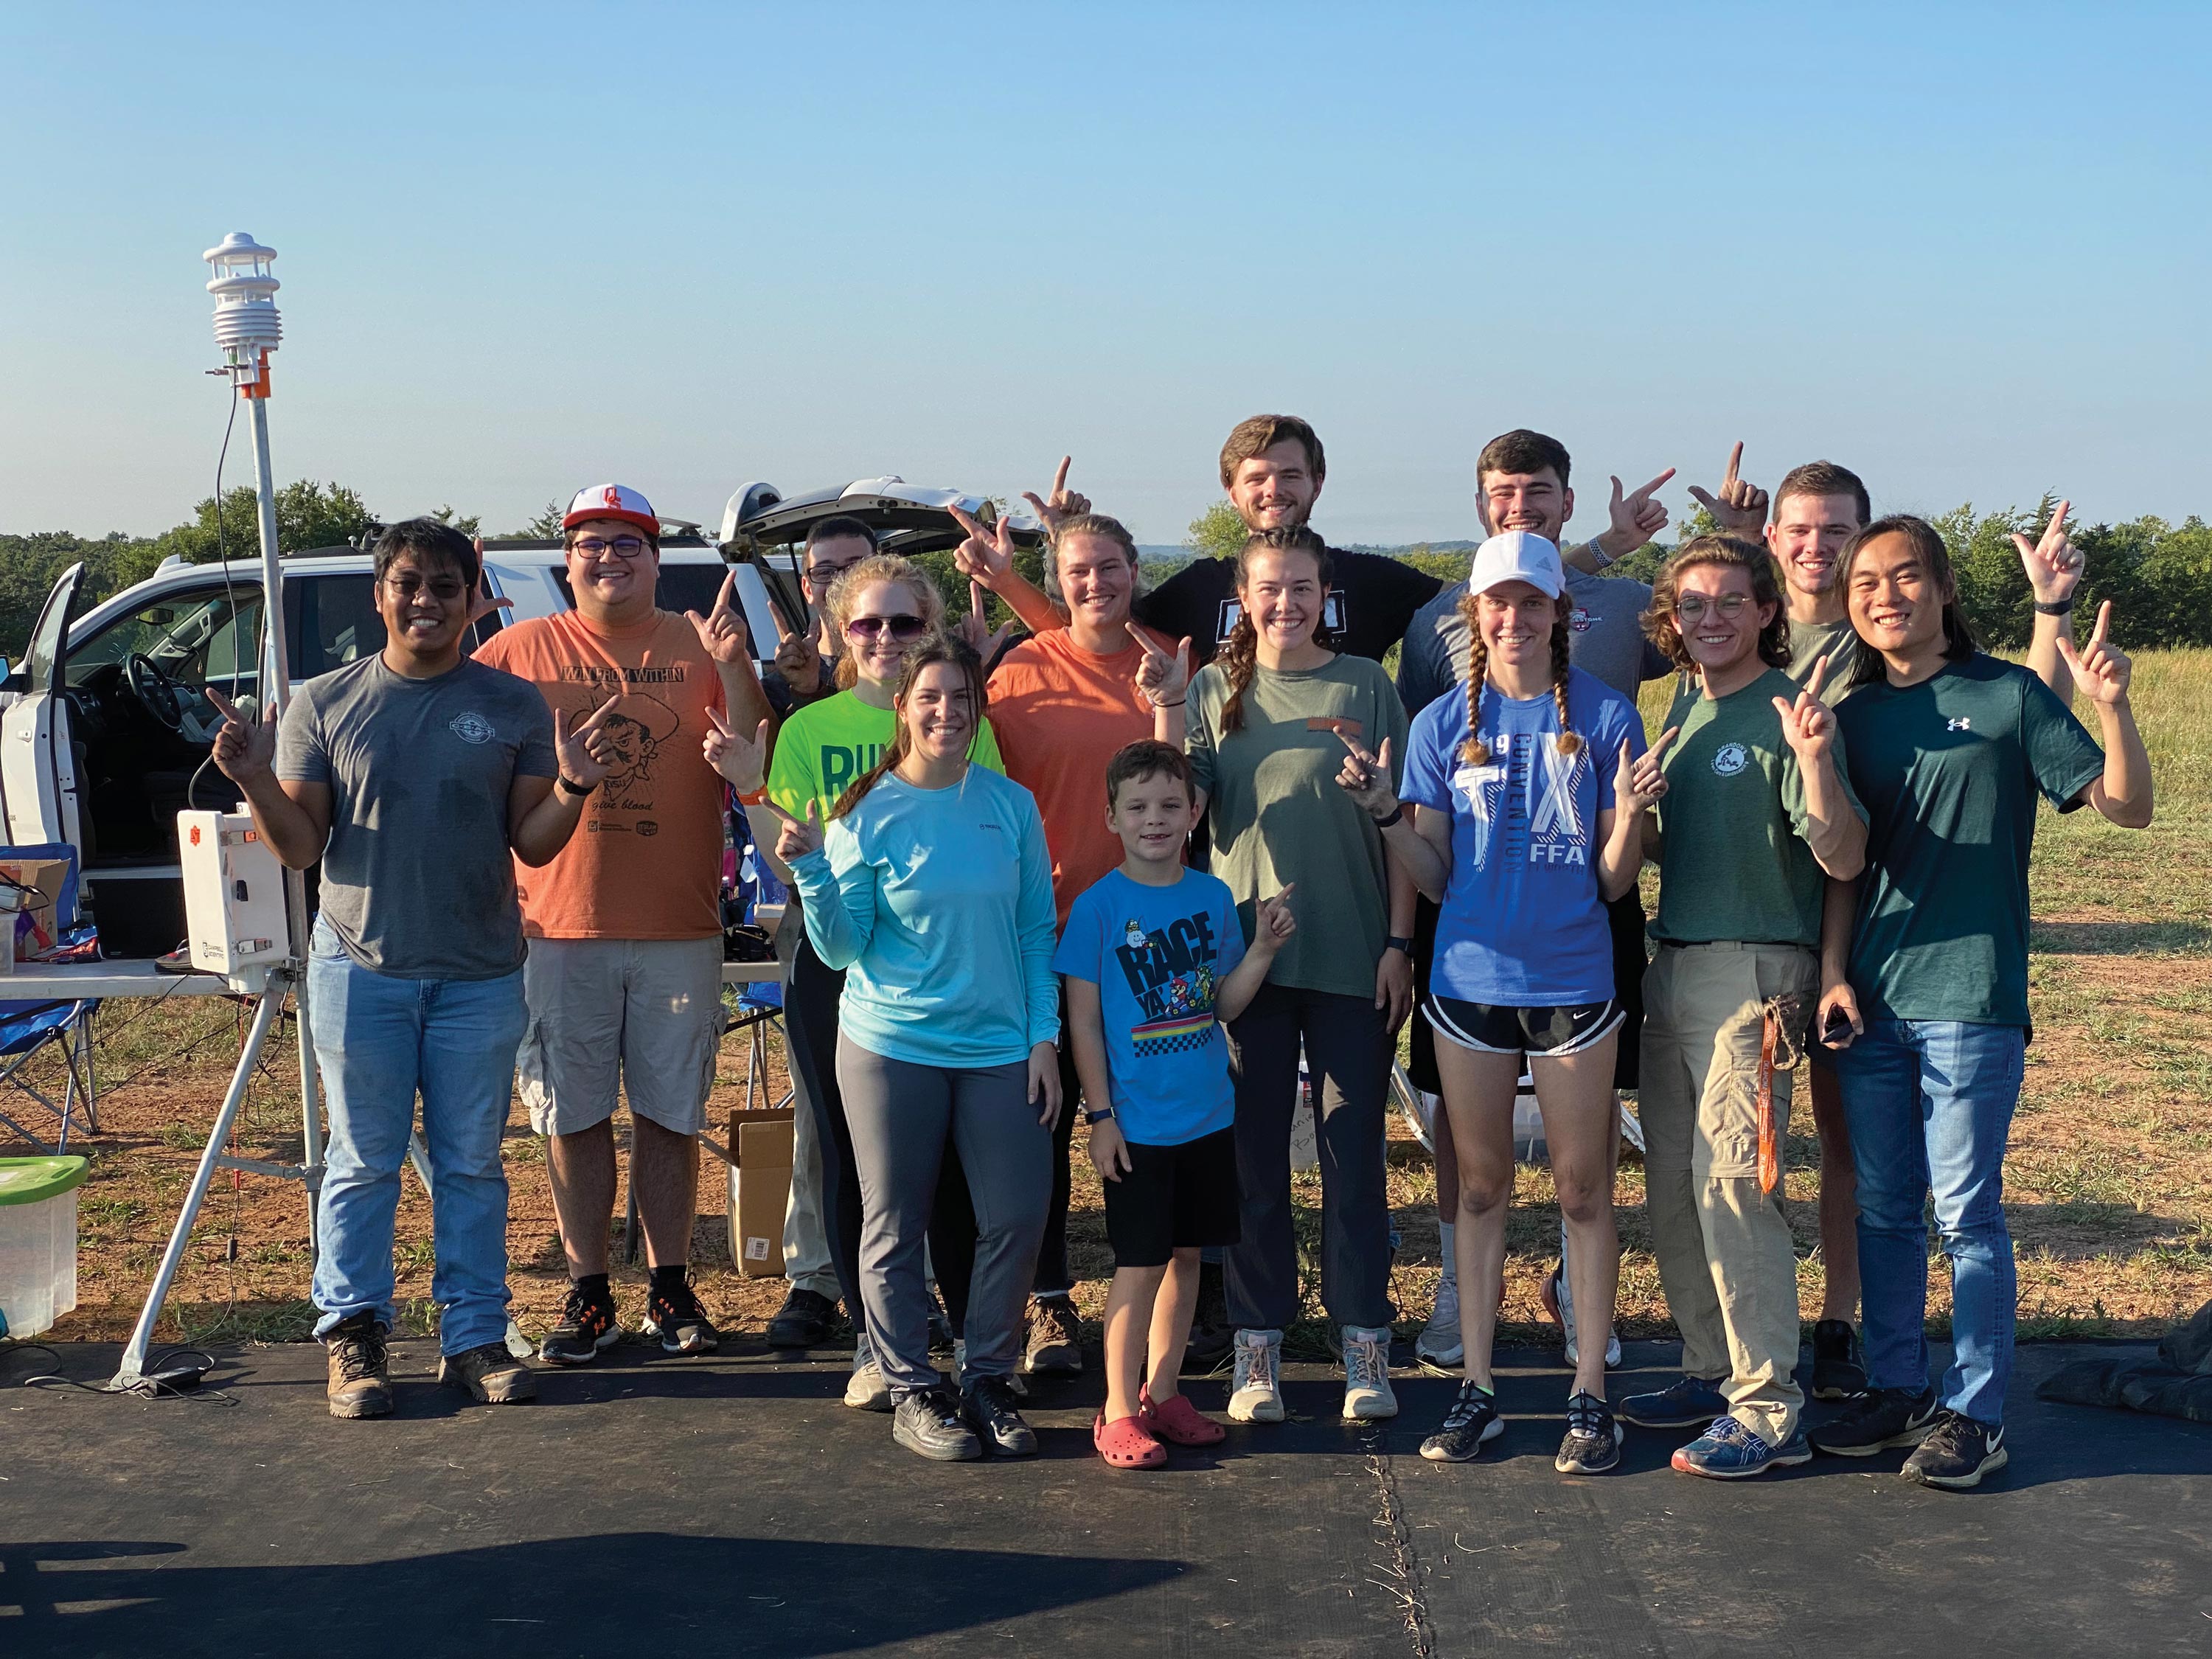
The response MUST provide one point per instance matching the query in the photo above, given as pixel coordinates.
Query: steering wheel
(156, 692)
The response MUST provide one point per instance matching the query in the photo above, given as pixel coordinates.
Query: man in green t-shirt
(1818, 507)
(1924, 960)
(1755, 814)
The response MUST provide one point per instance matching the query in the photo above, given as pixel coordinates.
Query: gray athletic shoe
(866, 1390)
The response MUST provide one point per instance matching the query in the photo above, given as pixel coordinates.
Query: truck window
(196, 635)
(331, 621)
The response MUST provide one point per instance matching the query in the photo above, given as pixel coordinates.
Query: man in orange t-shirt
(1062, 704)
(624, 974)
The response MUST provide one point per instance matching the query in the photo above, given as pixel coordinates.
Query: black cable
(229, 592)
(146, 1388)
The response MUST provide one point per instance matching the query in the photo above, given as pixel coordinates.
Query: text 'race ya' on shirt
(1157, 956)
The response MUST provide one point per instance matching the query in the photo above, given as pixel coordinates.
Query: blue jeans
(1930, 1104)
(380, 1040)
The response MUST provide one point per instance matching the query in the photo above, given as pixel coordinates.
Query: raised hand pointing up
(2052, 561)
(987, 554)
(246, 747)
(743, 763)
(583, 751)
(1636, 517)
(1740, 509)
(1063, 503)
(722, 630)
(1808, 726)
(2100, 668)
(799, 837)
(1163, 680)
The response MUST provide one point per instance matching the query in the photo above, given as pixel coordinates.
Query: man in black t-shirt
(1272, 468)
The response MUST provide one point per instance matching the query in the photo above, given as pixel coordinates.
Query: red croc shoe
(1176, 1420)
(1125, 1444)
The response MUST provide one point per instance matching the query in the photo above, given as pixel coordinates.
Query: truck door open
(38, 773)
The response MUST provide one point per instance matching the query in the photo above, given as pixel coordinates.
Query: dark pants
(952, 1238)
(1348, 1054)
(1631, 957)
(809, 1022)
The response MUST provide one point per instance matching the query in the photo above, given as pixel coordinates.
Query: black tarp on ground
(2175, 1381)
(733, 1507)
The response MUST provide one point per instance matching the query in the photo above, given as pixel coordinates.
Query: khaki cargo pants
(1725, 1254)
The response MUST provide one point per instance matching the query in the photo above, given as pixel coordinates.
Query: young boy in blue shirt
(1154, 959)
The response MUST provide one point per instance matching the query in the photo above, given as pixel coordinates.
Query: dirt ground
(2108, 1185)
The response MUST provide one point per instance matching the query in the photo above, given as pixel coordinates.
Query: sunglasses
(901, 627)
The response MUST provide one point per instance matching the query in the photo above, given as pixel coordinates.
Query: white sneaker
(1367, 1393)
(1439, 1342)
(1255, 1394)
(866, 1390)
(1559, 1303)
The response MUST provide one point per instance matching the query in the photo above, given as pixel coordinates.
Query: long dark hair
(1242, 650)
(1732, 553)
(1475, 751)
(1959, 643)
(930, 649)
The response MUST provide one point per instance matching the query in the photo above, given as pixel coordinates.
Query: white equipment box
(233, 892)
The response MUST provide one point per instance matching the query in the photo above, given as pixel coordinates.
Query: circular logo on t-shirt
(472, 728)
(1579, 620)
(1730, 759)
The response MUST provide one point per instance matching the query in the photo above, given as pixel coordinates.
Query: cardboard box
(760, 1189)
(34, 925)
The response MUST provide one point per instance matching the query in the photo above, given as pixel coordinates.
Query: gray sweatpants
(900, 1115)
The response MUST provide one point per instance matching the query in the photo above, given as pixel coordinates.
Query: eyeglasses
(444, 589)
(902, 627)
(625, 548)
(1691, 606)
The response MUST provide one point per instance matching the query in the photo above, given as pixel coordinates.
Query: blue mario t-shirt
(1156, 954)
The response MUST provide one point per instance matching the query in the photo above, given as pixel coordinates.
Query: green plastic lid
(35, 1180)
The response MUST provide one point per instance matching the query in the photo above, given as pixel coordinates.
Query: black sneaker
(1839, 1369)
(1876, 1419)
(1593, 1442)
(1055, 1343)
(1212, 1335)
(1472, 1419)
(929, 1423)
(675, 1316)
(989, 1403)
(1957, 1453)
(802, 1322)
(587, 1326)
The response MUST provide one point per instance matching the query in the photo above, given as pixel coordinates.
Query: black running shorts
(1537, 1033)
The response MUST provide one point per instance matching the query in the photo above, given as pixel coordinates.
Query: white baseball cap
(611, 502)
(1517, 556)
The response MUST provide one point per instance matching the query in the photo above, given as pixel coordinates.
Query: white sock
(1447, 1230)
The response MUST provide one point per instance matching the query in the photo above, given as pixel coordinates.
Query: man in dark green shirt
(1925, 961)
(1756, 813)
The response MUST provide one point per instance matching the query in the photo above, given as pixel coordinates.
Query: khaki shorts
(645, 1013)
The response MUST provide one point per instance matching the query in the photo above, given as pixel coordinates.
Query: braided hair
(1241, 653)
(1475, 751)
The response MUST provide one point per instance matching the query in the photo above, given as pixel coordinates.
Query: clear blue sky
(1961, 248)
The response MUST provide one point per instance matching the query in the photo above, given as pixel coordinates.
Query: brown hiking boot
(490, 1374)
(360, 1378)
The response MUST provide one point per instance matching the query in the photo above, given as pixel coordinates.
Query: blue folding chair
(30, 1029)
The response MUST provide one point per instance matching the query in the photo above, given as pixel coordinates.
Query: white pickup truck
(107, 736)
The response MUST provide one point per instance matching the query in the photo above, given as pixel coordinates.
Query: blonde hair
(845, 592)
(1475, 751)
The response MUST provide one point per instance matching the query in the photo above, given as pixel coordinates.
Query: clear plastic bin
(37, 1241)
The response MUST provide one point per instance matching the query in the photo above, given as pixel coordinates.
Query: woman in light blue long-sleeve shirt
(932, 889)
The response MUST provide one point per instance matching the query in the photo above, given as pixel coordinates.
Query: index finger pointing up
(975, 596)
(1735, 460)
(1818, 677)
(1060, 478)
(1654, 484)
(2055, 532)
(2104, 623)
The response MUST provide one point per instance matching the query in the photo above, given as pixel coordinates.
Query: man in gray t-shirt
(417, 878)
(415, 777)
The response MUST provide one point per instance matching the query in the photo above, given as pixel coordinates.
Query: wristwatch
(1396, 943)
(1103, 1114)
(2055, 607)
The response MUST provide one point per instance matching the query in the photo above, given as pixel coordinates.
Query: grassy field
(2109, 1183)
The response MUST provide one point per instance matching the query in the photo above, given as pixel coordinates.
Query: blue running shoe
(1729, 1451)
(1689, 1404)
